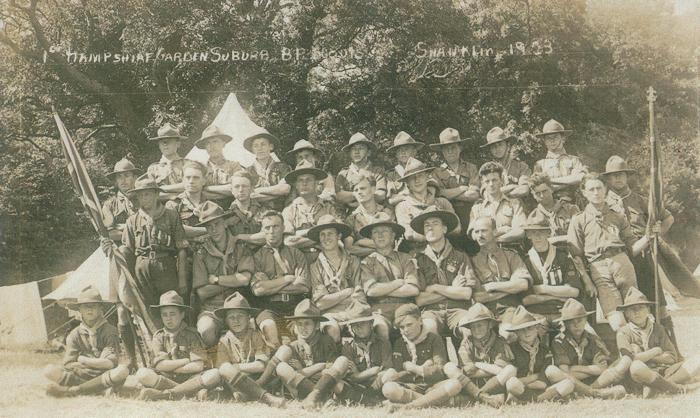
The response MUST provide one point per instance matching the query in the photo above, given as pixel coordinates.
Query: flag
(129, 294)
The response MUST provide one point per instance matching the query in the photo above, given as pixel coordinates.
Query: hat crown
(327, 219)
(168, 130)
(303, 164)
(496, 134)
(573, 309)
(307, 308)
(521, 316)
(380, 217)
(413, 165)
(89, 295)
(303, 144)
(236, 301)
(212, 131)
(537, 221)
(209, 210)
(449, 136)
(171, 297)
(145, 182)
(552, 126)
(403, 138)
(478, 312)
(616, 163)
(634, 296)
(358, 137)
(124, 165)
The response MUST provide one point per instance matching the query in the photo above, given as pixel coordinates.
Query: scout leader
(515, 172)
(656, 363)
(117, 209)
(367, 208)
(445, 273)
(404, 148)
(91, 362)
(280, 280)
(389, 278)
(582, 357)
(266, 173)
(304, 150)
(221, 266)
(359, 148)
(177, 368)
(457, 178)
(604, 236)
(167, 172)
(335, 276)
(189, 202)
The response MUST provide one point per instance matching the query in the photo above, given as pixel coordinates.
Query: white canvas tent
(94, 271)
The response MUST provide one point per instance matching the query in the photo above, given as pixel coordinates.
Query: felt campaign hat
(167, 131)
(327, 222)
(248, 142)
(449, 136)
(536, 222)
(170, 298)
(235, 301)
(381, 219)
(634, 297)
(210, 211)
(616, 164)
(210, 132)
(553, 127)
(303, 144)
(448, 218)
(307, 310)
(88, 295)
(522, 319)
(365, 315)
(144, 182)
(304, 167)
(123, 166)
(477, 312)
(496, 135)
(573, 309)
(359, 138)
(403, 139)
(413, 167)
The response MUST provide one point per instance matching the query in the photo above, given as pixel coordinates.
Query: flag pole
(655, 199)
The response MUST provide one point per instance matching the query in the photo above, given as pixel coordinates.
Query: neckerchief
(551, 215)
(361, 210)
(411, 345)
(304, 213)
(354, 171)
(263, 173)
(532, 350)
(643, 333)
(393, 272)
(281, 263)
(362, 349)
(304, 348)
(492, 262)
(446, 251)
(189, 204)
(554, 156)
(248, 212)
(333, 278)
(215, 252)
(171, 335)
(616, 202)
(482, 347)
(452, 172)
(542, 268)
(124, 202)
(166, 162)
(236, 346)
(89, 335)
(578, 348)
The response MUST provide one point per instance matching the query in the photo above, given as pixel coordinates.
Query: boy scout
(367, 209)
(359, 149)
(267, 174)
(457, 178)
(221, 266)
(404, 148)
(189, 202)
(583, 358)
(304, 150)
(508, 213)
(219, 169)
(167, 172)
(335, 276)
(515, 172)
(179, 355)
(90, 364)
(636, 209)
(304, 211)
(603, 237)
(564, 170)
(246, 213)
(418, 200)
(557, 212)
(388, 277)
(280, 280)
(117, 209)
(445, 273)
(656, 363)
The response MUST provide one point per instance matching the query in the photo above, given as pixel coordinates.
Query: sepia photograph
(350, 208)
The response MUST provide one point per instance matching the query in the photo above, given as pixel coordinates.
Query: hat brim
(564, 132)
(488, 144)
(160, 138)
(417, 145)
(73, 306)
(319, 318)
(221, 312)
(223, 215)
(315, 231)
(138, 189)
(448, 218)
(177, 305)
(114, 173)
(444, 144)
(622, 307)
(569, 318)
(368, 143)
(248, 142)
(626, 170)
(358, 320)
(314, 149)
(201, 143)
(317, 172)
(366, 230)
(526, 325)
(422, 170)
(465, 321)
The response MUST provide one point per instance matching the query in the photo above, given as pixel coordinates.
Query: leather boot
(269, 373)
(320, 392)
(248, 387)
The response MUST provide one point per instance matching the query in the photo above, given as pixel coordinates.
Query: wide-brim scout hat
(365, 315)
(381, 219)
(522, 319)
(359, 138)
(248, 142)
(496, 135)
(123, 166)
(170, 298)
(616, 164)
(536, 222)
(327, 222)
(212, 131)
(573, 309)
(235, 302)
(449, 136)
(448, 218)
(144, 182)
(634, 297)
(403, 139)
(303, 144)
(478, 312)
(414, 167)
(307, 310)
(304, 167)
(553, 127)
(167, 131)
(210, 211)
(88, 295)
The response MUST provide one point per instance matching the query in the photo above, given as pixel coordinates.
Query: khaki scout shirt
(245, 348)
(636, 208)
(495, 350)
(218, 174)
(101, 342)
(499, 265)
(507, 212)
(323, 284)
(300, 215)
(590, 351)
(401, 266)
(318, 348)
(348, 177)
(411, 207)
(563, 165)
(467, 174)
(162, 234)
(393, 184)
(592, 232)
(265, 262)
(374, 352)
(631, 341)
(116, 210)
(432, 347)
(188, 210)
(452, 263)
(515, 171)
(559, 217)
(183, 343)
(271, 175)
(166, 172)
(360, 217)
(245, 221)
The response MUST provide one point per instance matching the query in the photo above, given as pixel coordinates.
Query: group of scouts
(347, 289)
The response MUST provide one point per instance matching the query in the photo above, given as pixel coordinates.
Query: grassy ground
(23, 395)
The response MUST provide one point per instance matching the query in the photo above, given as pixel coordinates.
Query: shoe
(614, 392)
(648, 393)
(273, 401)
(494, 401)
(150, 394)
(311, 402)
(58, 391)
(203, 395)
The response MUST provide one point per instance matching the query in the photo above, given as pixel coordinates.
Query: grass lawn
(23, 395)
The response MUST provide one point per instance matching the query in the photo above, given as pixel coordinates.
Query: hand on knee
(508, 372)
(554, 374)
(146, 377)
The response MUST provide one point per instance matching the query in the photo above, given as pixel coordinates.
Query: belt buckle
(285, 297)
